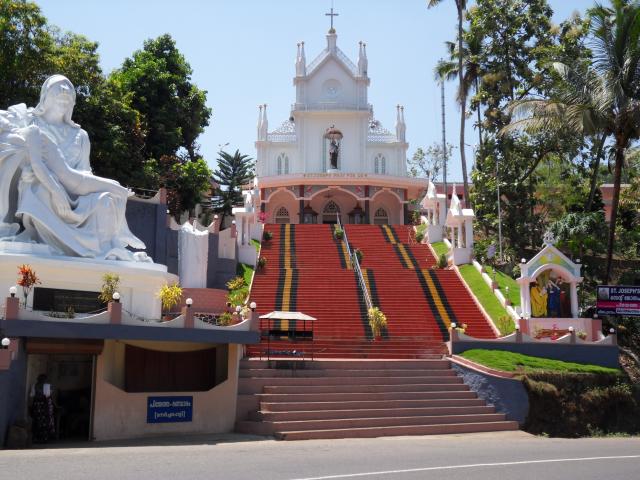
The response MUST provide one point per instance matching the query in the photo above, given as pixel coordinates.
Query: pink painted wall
(120, 415)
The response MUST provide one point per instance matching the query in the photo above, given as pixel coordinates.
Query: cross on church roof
(331, 14)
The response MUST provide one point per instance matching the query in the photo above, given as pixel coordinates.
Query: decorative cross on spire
(331, 14)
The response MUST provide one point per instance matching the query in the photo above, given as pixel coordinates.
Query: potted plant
(377, 321)
(419, 237)
(338, 233)
(169, 296)
(225, 319)
(262, 262)
(110, 285)
(358, 253)
(442, 261)
(27, 278)
(267, 235)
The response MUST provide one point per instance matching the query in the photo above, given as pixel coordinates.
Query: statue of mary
(48, 194)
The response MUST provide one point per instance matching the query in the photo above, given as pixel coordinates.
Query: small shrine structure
(549, 283)
(434, 208)
(460, 223)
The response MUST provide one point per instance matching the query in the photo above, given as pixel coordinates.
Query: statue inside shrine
(48, 193)
(550, 296)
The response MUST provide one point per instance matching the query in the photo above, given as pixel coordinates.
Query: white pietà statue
(48, 194)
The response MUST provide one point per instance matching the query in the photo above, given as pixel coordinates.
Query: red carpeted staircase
(308, 271)
(417, 299)
(358, 387)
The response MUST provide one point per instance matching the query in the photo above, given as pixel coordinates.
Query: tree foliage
(143, 119)
(517, 41)
(430, 162)
(157, 80)
(233, 172)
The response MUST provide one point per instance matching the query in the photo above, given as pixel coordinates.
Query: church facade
(332, 157)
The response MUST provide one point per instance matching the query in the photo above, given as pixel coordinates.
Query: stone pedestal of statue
(139, 282)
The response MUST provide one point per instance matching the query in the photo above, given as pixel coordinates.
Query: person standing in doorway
(42, 410)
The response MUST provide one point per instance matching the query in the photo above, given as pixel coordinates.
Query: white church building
(332, 156)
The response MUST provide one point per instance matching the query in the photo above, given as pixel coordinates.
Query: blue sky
(243, 52)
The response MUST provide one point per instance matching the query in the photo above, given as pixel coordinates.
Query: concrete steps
(296, 400)
(369, 413)
(397, 430)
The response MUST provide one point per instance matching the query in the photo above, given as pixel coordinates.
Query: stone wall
(148, 221)
(12, 392)
(507, 395)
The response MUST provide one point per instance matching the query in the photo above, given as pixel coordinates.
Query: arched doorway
(282, 215)
(330, 212)
(381, 217)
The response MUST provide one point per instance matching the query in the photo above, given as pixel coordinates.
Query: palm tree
(604, 99)
(461, 6)
(232, 173)
(448, 69)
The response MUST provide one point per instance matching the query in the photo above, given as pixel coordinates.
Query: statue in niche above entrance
(333, 154)
(334, 136)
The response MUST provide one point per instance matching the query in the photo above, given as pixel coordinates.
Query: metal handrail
(356, 266)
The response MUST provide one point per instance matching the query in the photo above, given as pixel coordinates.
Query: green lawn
(256, 244)
(440, 248)
(245, 271)
(516, 362)
(504, 281)
(484, 294)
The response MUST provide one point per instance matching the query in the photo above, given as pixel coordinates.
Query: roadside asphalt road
(505, 455)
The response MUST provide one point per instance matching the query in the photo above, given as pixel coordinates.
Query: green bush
(574, 405)
(169, 296)
(377, 321)
(442, 261)
(267, 235)
(419, 237)
(236, 283)
(238, 296)
(506, 325)
(338, 233)
(110, 285)
(225, 319)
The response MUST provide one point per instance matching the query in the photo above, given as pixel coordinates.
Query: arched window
(381, 217)
(380, 164)
(283, 164)
(282, 215)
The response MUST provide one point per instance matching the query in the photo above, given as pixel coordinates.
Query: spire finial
(331, 14)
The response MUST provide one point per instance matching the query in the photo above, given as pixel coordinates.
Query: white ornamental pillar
(469, 233)
(574, 300)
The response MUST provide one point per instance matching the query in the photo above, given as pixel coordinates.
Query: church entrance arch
(381, 217)
(330, 212)
(282, 215)
(386, 208)
(328, 203)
